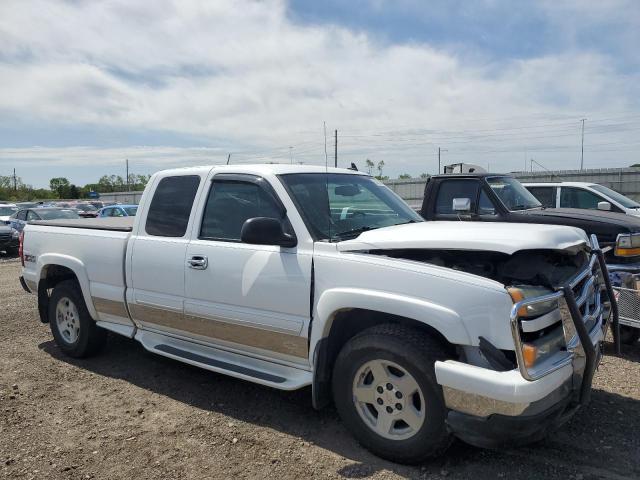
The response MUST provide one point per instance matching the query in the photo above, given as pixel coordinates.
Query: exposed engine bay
(547, 268)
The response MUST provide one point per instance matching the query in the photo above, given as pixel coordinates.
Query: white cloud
(242, 71)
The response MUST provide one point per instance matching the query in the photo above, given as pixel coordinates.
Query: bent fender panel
(444, 320)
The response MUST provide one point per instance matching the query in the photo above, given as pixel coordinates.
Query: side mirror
(461, 204)
(266, 231)
(606, 206)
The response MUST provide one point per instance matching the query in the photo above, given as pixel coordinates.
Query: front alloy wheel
(388, 399)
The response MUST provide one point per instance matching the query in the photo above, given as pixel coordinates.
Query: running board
(222, 361)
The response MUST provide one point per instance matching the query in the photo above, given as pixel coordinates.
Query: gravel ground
(130, 414)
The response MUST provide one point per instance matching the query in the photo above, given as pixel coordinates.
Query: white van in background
(582, 195)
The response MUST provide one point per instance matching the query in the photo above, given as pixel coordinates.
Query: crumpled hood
(467, 235)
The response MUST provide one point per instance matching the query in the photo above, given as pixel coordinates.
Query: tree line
(61, 188)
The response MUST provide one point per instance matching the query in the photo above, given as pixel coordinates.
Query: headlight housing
(628, 245)
(522, 292)
(539, 326)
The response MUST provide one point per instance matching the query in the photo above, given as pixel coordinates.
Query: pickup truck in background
(290, 276)
(490, 197)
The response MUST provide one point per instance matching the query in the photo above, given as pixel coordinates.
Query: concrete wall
(121, 197)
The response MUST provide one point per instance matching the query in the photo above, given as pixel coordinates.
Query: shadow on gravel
(591, 443)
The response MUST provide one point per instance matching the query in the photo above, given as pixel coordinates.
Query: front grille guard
(576, 333)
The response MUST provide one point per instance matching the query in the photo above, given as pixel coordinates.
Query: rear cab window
(451, 189)
(171, 206)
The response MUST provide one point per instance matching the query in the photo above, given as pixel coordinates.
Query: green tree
(405, 176)
(60, 185)
(424, 175)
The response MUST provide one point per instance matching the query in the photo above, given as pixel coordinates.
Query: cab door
(249, 298)
(158, 254)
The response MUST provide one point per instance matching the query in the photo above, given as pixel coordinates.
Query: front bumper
(489, 408)
(9, 244)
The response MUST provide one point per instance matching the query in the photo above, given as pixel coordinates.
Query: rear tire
(629, 335)
(73, 329)
(385, 390)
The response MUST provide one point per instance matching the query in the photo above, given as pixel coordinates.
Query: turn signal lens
(530, 354)
(517, 295)
(21, 248)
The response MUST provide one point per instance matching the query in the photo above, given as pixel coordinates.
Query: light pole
(582, 147)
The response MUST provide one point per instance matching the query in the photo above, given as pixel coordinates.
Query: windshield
(6, 211)
(131, 211)
(339, 206)
(618, 197)
(512, 193)
(55, 214)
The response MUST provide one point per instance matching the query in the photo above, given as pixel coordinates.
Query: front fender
(77, 267)
(442, 319)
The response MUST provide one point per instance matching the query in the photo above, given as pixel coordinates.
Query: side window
(571, 197)
(485, 205)
(171, 206)
(230, 204)
(117, 212)
(22, 215)
(450, 189)
(545, 195)
(32, 216)
(106, 212)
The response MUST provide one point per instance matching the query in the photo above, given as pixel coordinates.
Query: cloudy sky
(86, 84)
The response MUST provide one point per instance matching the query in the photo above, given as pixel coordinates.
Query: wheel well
(346, 324)
(51, 276)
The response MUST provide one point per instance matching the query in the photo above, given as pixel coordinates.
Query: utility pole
(291, 155)
(336, 150)
(15, 181)
(439, 150)
(582, 148)
(127, 161)
(228, 158)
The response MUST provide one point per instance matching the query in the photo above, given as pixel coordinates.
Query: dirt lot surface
(133, 415)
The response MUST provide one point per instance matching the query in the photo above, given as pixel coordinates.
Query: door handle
(198, 262)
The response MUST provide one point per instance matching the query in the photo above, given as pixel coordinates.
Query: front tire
(73, 329)
(386, 392)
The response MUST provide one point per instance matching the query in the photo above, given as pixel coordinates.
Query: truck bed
(120, 224)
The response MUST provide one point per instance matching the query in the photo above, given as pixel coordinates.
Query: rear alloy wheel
(73, 329)
(385, 390)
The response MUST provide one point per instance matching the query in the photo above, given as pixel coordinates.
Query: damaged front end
(562, 303)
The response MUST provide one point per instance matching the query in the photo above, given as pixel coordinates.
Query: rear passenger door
(573, 197)
(249, 298)
(158, 254)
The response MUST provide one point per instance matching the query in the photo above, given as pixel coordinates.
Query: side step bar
(218, 360)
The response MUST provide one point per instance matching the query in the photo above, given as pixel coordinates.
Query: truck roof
(471, 175)
(259, 169)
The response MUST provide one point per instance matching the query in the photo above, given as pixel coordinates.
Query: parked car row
(14, 217)
(417, 329)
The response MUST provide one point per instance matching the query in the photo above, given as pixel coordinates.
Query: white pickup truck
(291, 276)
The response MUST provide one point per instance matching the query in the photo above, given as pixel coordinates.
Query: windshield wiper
(357, 231)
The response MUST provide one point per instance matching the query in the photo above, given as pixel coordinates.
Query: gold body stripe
(285, 343)
(110, 307)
